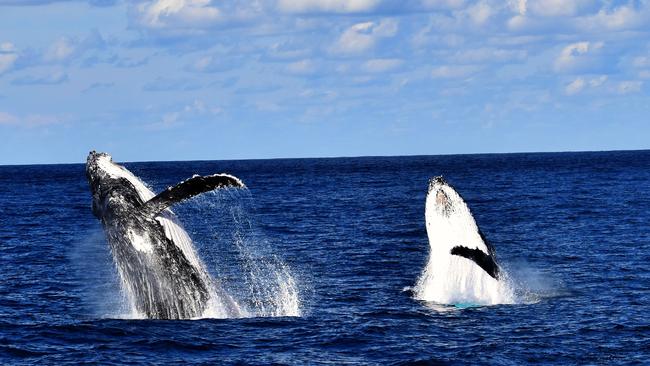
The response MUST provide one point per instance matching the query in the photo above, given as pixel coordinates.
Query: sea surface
(572, 230)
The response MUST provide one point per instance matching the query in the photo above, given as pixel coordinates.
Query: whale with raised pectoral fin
(161, 273)
(462, 268)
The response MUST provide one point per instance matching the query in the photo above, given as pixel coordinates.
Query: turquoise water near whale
(572, 230)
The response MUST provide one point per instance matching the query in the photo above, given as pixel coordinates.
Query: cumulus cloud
(641, 61)
(60, 50)
(453, 71)
(177, 13)
(287, 51)
(215, 63)
(8, 56)
(596, 82)
(302, 67)
(443, 4)
(620, 18)
(380, 65)
(172, 84)
(518, 6)
(554, 8)
(30, 120)
(333, 6)
(366, 6)
(480, 12)
(488, 54)
(629, 86)
(8, 119)
(575, 86)
(362, 37)
(577, 56)
(67, 49)
(581, 83)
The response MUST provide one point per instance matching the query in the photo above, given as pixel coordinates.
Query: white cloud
(380, 65)
(302, 67)
(596, 82)
(7, 47)
(215, 63)
(576, 56)
(443, 4)
(40, 120)
(518, 6)
(575, 87)
(329, 6)
(177, 13)
(365, 6)
(480, 12)
(488, 55)
(517, 22)
(30, 120)
(620, 18)
(8, 56)
(453, 71)
(555, 8)
(287, 51)
(628, 87)
(7, 119)
(60, 50)
(580, 84)
(199, 107)
(641, 61)
(203, 63)
(363, 36)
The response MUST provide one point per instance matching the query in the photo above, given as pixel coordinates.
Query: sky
(211, 80)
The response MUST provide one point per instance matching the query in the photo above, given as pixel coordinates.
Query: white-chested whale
(462, 267)
(161, 273)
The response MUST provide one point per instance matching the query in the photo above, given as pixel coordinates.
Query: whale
(462, 267)
(161, 274)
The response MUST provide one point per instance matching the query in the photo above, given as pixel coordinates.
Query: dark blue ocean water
(572, 229)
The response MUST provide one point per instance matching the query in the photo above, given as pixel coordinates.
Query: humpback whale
(161, 273)
(462, 267)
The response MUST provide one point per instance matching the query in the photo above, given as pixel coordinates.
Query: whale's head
(442, 197)
(96, 171)
(112, 186)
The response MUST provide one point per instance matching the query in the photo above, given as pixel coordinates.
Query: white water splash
(451, 279)
(259, 279)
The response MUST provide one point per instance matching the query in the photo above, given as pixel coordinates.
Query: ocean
(347, 238)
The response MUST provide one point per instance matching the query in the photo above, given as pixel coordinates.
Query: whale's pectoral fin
(188, 189)
(485, 261)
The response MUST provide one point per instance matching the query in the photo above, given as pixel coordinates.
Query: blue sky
(201, 79)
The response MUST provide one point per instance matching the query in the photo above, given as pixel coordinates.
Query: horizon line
(342, 157)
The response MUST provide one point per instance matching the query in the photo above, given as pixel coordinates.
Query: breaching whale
(462, 268)
(160, 271)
